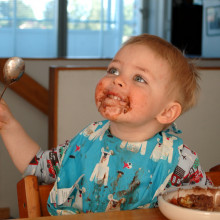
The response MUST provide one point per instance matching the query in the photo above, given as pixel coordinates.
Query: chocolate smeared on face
(113, 103)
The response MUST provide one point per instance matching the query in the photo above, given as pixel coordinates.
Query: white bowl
(174, 212)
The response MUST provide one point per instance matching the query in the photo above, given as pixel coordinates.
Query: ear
(170, 113)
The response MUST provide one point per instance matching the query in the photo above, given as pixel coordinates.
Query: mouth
(114, 97)
(114, 100)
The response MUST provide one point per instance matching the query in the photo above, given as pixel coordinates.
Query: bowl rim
(162, 200)
(199, 212)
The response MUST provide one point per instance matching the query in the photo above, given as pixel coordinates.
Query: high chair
(32, 198)
(215, 168)
(214, 176)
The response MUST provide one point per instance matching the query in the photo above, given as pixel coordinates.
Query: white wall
(200, 125)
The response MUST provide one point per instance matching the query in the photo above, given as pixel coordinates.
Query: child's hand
(5, 116)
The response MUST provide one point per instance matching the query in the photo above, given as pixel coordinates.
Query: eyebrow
(142, 69)
(137, 67)
(145, 70)
(115, 61)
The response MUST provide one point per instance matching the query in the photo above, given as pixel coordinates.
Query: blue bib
(100, 172)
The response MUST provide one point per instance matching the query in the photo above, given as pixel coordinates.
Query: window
(95, 28)
(28, 28)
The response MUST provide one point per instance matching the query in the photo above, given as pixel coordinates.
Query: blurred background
(97, 28)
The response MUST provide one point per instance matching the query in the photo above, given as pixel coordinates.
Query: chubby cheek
(138, 98)
(139, 103)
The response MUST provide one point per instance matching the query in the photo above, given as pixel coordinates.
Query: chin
(113, 113)
(122, 117)
(111, 117)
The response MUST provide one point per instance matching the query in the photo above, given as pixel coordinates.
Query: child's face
(135, 86)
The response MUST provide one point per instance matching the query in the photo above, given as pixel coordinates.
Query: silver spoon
(12, 71)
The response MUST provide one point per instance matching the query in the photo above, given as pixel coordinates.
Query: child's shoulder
(187, 150)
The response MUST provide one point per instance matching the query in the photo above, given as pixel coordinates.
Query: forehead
(141, 56)
(138, 52)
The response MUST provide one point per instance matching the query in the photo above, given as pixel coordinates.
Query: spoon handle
(6, 86)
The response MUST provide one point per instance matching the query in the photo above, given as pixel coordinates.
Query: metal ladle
(12, 71)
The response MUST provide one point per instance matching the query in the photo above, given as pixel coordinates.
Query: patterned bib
(100, 172)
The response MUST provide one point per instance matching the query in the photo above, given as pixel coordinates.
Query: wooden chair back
(215, 177)
(32, 198)
(215, 168)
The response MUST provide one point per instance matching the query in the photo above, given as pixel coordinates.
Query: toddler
(127, 160)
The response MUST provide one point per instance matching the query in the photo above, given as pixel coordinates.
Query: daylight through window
(95, 28)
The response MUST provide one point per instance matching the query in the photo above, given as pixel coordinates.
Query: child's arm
(46, 164)
(189, 171)
(20, 146)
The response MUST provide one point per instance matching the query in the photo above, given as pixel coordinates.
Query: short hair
(184, 74)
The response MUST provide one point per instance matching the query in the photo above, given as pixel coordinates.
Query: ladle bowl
(12, 71)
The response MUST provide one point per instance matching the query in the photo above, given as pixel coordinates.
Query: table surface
(138, 214)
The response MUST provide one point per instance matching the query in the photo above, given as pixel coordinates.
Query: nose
(119, 81)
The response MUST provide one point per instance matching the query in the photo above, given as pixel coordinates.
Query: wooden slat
(29, 89)
(53, 93)
(215, 168)
(32, 198)
(44, 191)
(28, 197)
(209, 67)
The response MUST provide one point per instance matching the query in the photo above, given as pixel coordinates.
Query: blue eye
(138, 78)
(113, 71)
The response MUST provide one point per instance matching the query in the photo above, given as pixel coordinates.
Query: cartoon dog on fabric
(78, 200)
(101, 170)
(164, 151)
(114, 205)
